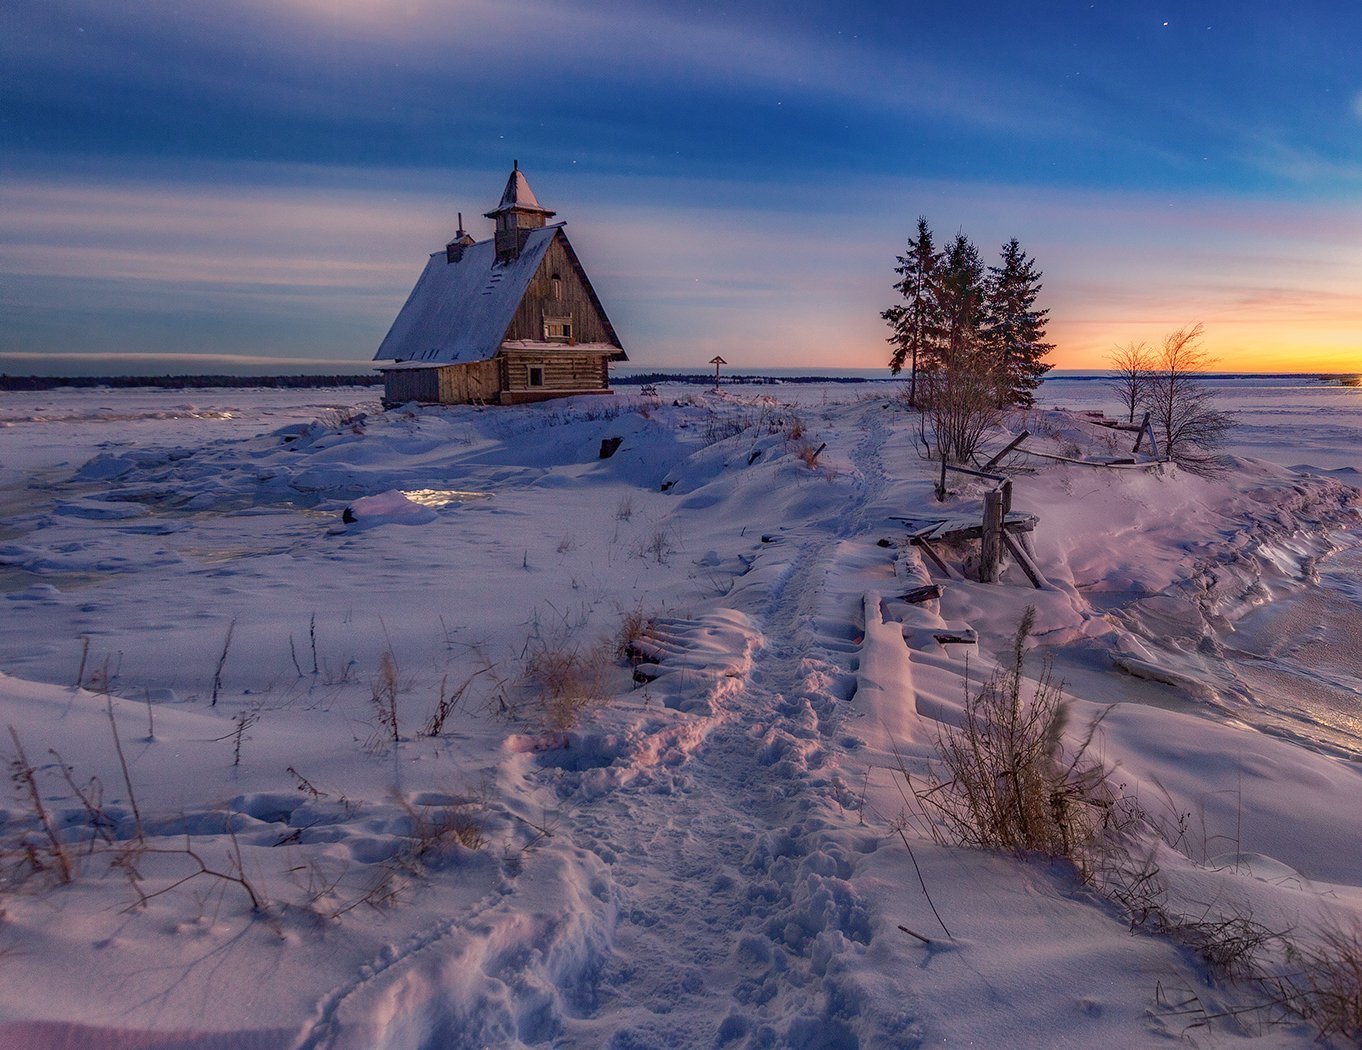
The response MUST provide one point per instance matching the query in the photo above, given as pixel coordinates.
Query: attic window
(558, 329)
(557, 284)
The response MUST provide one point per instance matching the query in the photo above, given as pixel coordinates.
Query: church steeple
(518, 213)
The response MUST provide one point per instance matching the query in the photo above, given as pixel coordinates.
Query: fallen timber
(995, 532)
(1115, 463)
(959, 528)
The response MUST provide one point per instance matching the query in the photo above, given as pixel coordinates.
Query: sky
(254, 185)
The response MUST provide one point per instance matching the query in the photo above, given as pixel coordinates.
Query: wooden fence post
(991, 544)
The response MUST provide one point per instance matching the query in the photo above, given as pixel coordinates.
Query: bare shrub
(434, 828)
(1181, 407)
(384, 698)
(1132, 369)
(447, 704)
(624, 510)
(1010, 785)
(717, 427)
(961, 403)
(222, 662)
(1326, 986)
(25, 779)
(234, 873)
(635, 625)
(658, 546)
(808, 455)
(561, 682)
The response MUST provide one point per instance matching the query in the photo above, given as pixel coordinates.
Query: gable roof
(459, 311)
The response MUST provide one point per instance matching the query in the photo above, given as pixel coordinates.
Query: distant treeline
(649, 378)
(8, 382)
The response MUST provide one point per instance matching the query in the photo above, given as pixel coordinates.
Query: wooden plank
(1024, 560)
(990, 546)
(958, 636)
(921, 541)
(974, 473)
(1088, 463)
(918, 595)
(957, 530)
(1008, 448)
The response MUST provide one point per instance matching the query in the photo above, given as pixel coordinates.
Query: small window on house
(557, 284)
(558, 329)
(536, 375)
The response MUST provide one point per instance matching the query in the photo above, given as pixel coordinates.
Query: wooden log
(956, 532)
(991, 547)
(1139, 435)
(1007, 498)
(1023, 559)
(959, 636)
(1089, 463)
(918, 595)
(1006, 449)
(921, 541)
(640, 650)
(973, 473)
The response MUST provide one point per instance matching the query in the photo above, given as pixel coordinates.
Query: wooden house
(503, 321)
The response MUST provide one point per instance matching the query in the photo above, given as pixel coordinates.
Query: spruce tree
(962, 294)
(1013, 329)
(916, 323)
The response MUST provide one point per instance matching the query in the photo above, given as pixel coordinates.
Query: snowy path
(738, 941)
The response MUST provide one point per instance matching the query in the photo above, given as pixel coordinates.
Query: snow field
(707, 855)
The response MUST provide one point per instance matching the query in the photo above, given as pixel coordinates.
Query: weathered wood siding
(562, 370)
(460, 384)
(572, 299)
(448, 385)
(417, 384)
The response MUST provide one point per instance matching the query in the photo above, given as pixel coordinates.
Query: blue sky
(253, 186)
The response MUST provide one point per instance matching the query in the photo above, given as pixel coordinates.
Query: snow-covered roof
(518, 196)
(459, 311)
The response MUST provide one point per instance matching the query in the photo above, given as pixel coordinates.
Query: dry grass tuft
(1326, 989)
(561, 682)
(635, 625)
(1010, 784)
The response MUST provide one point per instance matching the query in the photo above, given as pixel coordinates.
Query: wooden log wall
(563, 370)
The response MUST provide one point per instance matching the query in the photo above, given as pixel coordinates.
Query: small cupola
(517, 214)
(454, 249)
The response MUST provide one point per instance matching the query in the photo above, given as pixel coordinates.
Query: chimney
(454, 249)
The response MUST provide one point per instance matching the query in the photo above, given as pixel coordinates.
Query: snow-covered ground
(226, 692)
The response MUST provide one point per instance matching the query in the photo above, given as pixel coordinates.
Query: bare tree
(1182, 408)
(961, 402)
(1133, 367)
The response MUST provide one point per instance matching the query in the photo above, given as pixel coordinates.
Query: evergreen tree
(916, 323)
(962, 293)
(1013, 329)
